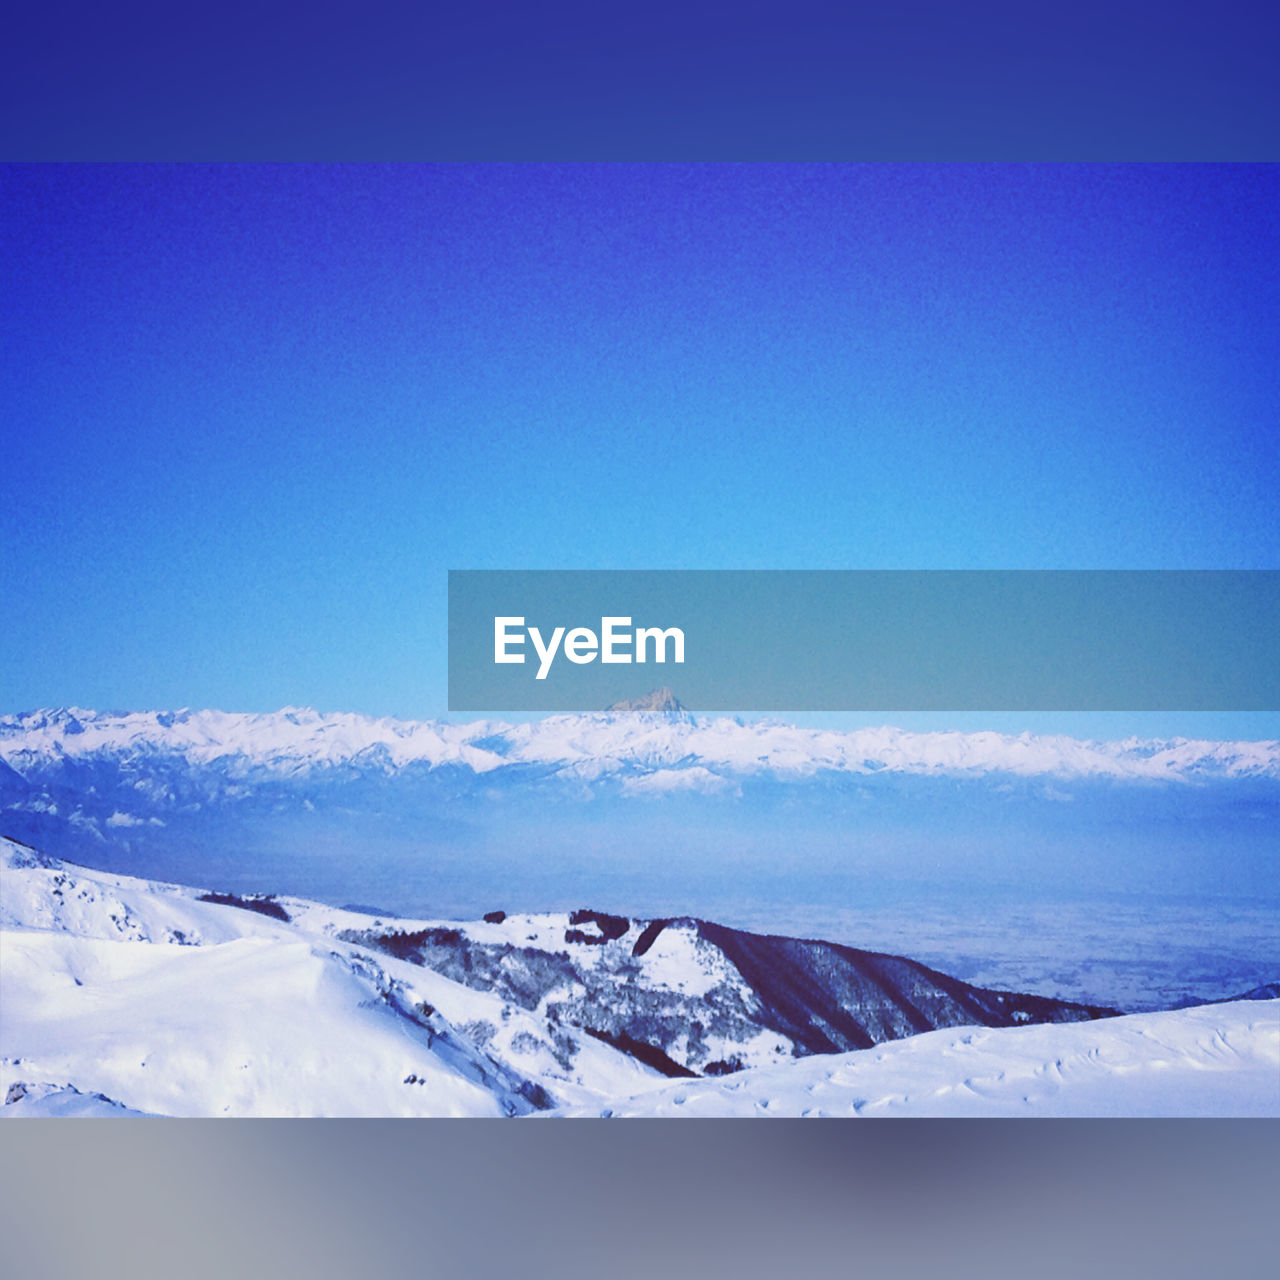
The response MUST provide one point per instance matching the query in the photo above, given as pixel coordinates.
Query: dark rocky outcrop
(611, 927)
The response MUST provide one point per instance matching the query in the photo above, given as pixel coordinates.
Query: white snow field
(164, 1004)
(121, 996)
(1214, 1060)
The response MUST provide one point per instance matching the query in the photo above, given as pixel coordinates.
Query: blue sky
(255, 414)
(672, 79)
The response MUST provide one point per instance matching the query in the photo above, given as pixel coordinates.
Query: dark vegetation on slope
(1268, 991)
(413, 946)
(649, 1054)
(819, 996)
(648, 936)
(263, 904)
(830, 998)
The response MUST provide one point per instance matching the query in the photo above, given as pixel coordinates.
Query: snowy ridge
(125, 996)
(651, 740)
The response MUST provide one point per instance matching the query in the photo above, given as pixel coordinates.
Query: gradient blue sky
(254, 414)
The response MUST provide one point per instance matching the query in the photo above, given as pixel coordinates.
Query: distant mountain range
(651, 744)
(429, 815)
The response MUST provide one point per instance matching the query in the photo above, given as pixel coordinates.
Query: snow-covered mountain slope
(169, 1000)
(654, 736)
(690, 997)
(127, 997)
(166, 1002)
(65, 1102)
(1214, 1060)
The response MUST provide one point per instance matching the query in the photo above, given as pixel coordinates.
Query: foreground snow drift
(121, 996)
(1215, 1060)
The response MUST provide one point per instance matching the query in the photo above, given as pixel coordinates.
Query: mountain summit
(661, 704)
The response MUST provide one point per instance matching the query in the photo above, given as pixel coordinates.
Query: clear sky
(252, 415)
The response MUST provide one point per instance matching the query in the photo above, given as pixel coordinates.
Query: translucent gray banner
(866, 640)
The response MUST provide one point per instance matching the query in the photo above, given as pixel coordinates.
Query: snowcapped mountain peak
(661, 704)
